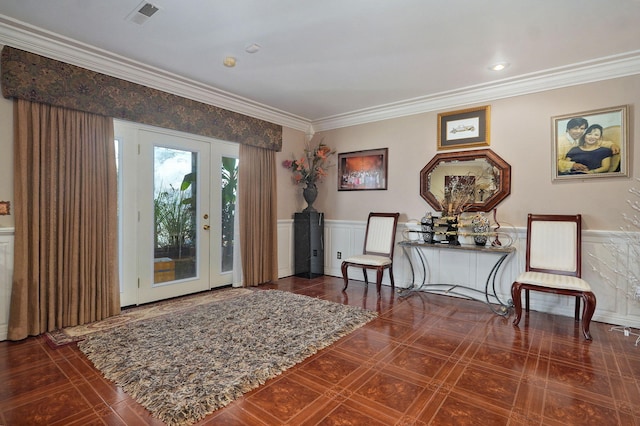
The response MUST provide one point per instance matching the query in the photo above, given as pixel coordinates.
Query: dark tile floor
(426, 360)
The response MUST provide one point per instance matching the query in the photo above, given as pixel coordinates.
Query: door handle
(206, 227)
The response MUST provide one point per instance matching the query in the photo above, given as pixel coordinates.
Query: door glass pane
(175, 202)
(229, 190)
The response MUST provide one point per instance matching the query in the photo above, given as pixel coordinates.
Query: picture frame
(363, 170)
(5, 208)
(570, 161)
(464, 128)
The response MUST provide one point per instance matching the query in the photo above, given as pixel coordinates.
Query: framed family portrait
(590, 144)
(363, 170)
(464, 129)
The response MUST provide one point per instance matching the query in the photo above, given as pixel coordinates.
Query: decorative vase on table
(428, 230)
(310, 193)
(480, 226)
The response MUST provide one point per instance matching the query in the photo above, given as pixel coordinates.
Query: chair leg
(589, 308)
(516, 288)
(366, 279)
(526, 299)
(577, 314)
(345, 277)
(379, 273)
(393, 284)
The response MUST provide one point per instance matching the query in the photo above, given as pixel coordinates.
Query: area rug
(184, 366)
(65, 336)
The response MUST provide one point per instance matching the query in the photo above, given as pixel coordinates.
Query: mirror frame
(503, 190)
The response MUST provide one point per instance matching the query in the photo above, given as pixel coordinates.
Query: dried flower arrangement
(312, 166)
(458, 194)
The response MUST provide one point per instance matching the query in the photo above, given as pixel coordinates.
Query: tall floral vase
(310, 193)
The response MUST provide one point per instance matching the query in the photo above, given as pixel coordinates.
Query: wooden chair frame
(377, 256)
(586, 295)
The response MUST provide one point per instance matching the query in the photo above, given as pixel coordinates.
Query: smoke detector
(253, 48)
(142, 13)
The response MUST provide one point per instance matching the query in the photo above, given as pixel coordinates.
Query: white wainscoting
(602, 253)
(6, 277)
(601, 250)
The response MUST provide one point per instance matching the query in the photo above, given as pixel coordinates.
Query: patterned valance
(35, 78)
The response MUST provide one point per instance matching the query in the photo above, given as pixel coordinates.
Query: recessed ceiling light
(499, 66)
(229, 62)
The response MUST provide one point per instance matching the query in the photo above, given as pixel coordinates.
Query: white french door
(172, 212)
(174, 217)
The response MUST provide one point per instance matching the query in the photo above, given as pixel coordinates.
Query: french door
(175, 210)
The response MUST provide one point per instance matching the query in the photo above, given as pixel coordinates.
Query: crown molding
(36, 40)
(586, 72)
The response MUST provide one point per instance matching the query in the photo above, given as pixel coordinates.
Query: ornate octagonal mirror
(486, 175)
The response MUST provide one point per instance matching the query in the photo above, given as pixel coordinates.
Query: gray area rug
(182, 367)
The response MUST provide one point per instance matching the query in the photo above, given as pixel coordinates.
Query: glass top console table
(488, 295)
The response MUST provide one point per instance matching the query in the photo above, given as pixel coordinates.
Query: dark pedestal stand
(309, 247)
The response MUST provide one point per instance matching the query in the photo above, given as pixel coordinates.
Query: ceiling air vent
(142, 13)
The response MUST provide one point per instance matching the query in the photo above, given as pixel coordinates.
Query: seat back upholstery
(554, 244)
(381, 234)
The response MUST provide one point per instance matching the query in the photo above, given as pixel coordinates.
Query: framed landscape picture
(363, 170)
(464, 129)
(590, 144)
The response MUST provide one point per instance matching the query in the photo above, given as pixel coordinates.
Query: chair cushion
(554, 281)
(369, 259)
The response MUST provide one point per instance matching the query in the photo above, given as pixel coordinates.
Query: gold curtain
(257, 215)
(65, 194)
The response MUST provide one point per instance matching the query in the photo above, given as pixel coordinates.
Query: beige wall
(289, 195)
(520, 134)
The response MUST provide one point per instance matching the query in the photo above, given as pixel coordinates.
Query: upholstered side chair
(379, 242)
(554, 265)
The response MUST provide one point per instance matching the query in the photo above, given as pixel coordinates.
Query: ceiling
(332, 59)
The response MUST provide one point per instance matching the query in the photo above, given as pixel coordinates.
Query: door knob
(206, 227)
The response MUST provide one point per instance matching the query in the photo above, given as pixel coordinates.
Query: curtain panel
(36, 78)
(65, 192)
(257, 210)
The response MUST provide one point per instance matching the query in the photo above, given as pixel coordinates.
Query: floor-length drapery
(65, 195)
(258, 215)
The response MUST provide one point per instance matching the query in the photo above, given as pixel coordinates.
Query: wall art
(464, 129)
(590, 144)
(363, 170)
